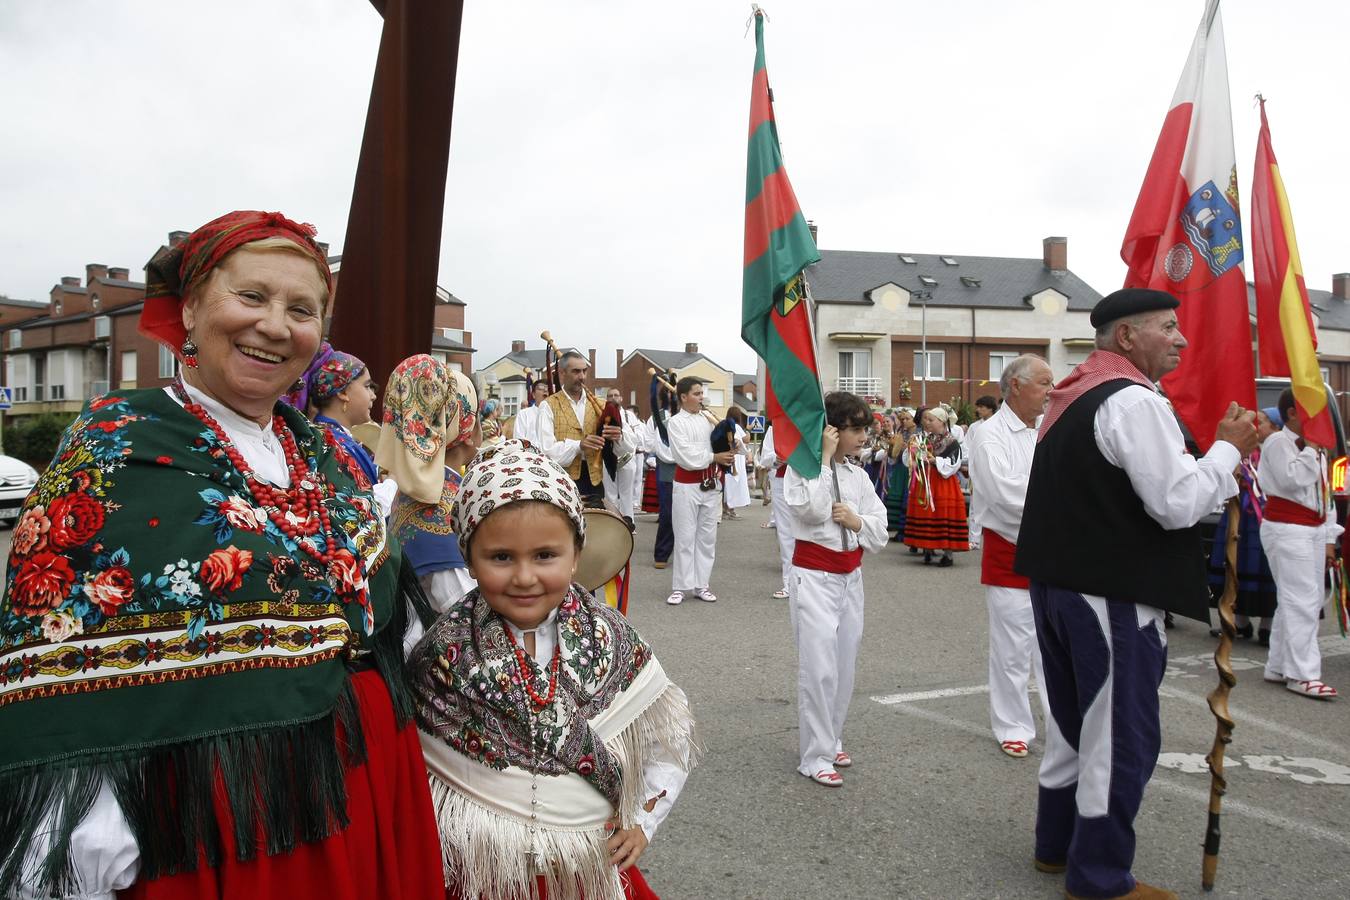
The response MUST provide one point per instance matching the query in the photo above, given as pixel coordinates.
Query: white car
(16, 480)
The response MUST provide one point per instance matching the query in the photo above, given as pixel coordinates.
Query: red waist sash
(689, 476)
(781, 471)
(810, 555)
(1278, 509)
(996, 568)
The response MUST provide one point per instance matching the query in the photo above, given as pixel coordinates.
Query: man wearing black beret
(1109, 542)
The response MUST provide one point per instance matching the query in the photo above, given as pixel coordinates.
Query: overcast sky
(597, 166)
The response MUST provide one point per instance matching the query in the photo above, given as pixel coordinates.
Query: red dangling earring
(189, 351)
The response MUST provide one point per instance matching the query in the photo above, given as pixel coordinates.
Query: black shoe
(1245, 631)
(928, 557)
(945, 562)
(913, 551)
(1168, 621)
(1263, 637)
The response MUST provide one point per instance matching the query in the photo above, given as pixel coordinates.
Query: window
(39, 376)
(128, 370)
(168, 363)
(855, 363)
(21, 394)
(15, 339)
(56, 307)
(456, 366)
(997, 363)
(96, 303)
(16, 376)
(928, 280)
(936, 370)
(510, 406)
(58, 392)
(1326, 375)
(909, 260)
(102, 327)
(713, 397)
(947, 260)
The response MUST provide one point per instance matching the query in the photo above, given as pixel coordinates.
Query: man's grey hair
(572, 354)
(1018, 369)
(1106, 333)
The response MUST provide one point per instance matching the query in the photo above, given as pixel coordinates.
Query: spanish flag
(1284, 324)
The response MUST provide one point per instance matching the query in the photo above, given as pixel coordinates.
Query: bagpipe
(723, 432)
(607, 413)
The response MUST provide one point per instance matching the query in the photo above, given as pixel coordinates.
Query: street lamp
(922, 297)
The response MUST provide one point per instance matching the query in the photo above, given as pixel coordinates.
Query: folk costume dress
(530, 756)
(1256, 593)
(736, 485)
(935, 514)
(897, 486)
(211, 700)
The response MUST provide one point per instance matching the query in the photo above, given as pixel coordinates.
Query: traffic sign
(756, 424)
(6, 398)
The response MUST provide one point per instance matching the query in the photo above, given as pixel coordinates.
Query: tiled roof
(998, 282)
(672, 359)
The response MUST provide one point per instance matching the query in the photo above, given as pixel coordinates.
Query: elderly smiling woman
(200, 667)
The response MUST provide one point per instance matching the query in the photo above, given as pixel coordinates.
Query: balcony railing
(864, 386)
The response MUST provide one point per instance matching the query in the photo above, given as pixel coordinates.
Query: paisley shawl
(158, 630)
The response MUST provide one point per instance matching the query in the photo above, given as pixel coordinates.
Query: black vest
(1085, 529)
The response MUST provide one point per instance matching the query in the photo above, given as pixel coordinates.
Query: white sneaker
(704, 594)
(675, 598)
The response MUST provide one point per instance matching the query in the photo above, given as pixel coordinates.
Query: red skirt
(634, 887)
(651, 493)
(390, 849)
(941, 525)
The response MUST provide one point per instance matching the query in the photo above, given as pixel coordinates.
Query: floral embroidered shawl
(157, 628)
(468, 695)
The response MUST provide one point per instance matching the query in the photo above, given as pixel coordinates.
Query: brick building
(83, 341)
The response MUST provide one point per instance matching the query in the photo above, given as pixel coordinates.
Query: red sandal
(828, 777)
(1015, 749)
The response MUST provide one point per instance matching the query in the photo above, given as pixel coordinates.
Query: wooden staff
(1218, 700)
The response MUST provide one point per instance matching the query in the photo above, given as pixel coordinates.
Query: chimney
(1055, 253)
(117, 273)
(517, 346)
(691, 347)
(323, 247)
(94, 270)
(70, 281)
(618, 361)
(591, 355)
(177, 237)
(1340, 285)
(811, 224)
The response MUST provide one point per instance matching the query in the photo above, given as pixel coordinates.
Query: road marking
(1194, 764)
(1242, 717)
(1329, 645)
(892, 699)
(1230, 805)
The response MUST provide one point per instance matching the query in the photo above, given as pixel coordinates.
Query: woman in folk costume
(202, 624)
(875, 455)
(897, 487)
(736, 484)
(935, 518)
(492, 428)
(428, 433)
(1256, 594)
(555, 742)
(340, 390)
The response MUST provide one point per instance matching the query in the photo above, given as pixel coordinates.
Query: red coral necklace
(303, 500)
(523, 665)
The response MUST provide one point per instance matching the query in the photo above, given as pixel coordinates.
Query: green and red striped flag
(775, 319)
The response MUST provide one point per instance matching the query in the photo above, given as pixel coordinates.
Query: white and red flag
(1185, 237)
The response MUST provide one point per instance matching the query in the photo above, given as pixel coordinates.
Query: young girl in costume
(936, 515)
(555, 742)
(835, 516)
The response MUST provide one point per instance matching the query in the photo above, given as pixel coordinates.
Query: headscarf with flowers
(493, 746)
(160, 632)
(327, 376)
(172, 270)
(428, 408)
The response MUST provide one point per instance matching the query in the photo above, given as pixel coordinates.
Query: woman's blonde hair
(274, 243)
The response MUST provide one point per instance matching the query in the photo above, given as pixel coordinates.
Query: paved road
(931, 808)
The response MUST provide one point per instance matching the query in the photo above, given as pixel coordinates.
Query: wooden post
(1218, 699)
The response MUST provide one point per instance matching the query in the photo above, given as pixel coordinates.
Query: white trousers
(1298, 562)
(1013, 656)
(782, 517)
(693, 514)
(827, 622)
(619, 489)
(638, 471)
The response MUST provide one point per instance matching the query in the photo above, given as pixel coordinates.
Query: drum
(367, 435)
(609, 544)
